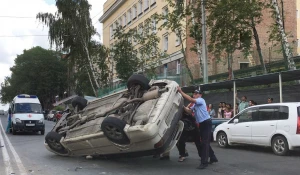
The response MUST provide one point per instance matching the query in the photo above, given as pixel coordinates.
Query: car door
(241, 132)
(264, 125)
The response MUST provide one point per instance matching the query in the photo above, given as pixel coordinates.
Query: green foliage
(37, 72)
(124, 54)
(70, 30)
(175, 21)
(58, 108)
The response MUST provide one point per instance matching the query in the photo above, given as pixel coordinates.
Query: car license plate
(30, 124)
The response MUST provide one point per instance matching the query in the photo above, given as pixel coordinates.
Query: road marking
(6, 159)
(20, 165)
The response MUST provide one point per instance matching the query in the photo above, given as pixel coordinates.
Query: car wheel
(138, 79)
(42, 132)
(14, 132)
(113, 129)
(53, 141)
(222, 140)
(80, 102)
(280, 146)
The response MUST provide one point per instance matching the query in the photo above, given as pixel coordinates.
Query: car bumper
(24, 127)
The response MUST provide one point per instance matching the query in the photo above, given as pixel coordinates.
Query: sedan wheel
(222, 140)
(280, 146)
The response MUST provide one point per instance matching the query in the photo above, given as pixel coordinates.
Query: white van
(26, 114)
(273, 125)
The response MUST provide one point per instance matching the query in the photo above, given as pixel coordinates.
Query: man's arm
(237, 98)
(187, 110)
(186, 96)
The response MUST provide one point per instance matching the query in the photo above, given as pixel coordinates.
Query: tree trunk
(91, 82)
(261, 59)
(286, 48)
(185, 61)
(199, 53)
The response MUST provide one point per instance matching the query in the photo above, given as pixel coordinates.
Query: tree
(71, 29)
(124, 54)
(228, 29)
(175, 21)
(37, 72)
(278, 33)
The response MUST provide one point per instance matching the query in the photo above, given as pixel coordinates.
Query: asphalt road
(27, 155)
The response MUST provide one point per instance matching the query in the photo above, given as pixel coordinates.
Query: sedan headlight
(41, 121)
(18, 120)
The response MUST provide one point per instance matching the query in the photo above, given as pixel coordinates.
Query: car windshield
(28, 108)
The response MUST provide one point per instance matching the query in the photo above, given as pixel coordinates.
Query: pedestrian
(190, 133)
(211, 111)
(251, 103)
(228, 113)
(270, 100)
(220, 110)
(242, 103)
(202, 117)
(8, 121)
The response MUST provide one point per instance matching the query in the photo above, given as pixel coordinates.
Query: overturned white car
(142, 120)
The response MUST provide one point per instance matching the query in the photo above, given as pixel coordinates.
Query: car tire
(280, 145)
(42, 132)
(138, 79)
(222, 140)
(113, 129)
(53, 141)
(80, 102)
(14, 132)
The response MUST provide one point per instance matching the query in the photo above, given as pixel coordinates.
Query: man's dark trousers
(205, 133)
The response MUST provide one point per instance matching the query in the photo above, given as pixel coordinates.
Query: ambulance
(26, 114)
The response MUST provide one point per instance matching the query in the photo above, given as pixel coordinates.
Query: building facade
(132, 14)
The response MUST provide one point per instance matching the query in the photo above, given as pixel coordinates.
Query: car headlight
(18, 120)
(41, 121)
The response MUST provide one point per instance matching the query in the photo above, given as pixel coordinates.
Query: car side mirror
(235, 121)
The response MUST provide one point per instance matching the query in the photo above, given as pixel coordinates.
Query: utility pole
(204, 47)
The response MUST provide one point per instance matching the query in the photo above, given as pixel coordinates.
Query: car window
(28, 108)
(247, 115)
(273, 113)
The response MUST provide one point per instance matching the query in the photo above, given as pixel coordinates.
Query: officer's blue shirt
(201, 113)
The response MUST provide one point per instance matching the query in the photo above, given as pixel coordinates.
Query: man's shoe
(202, 166)
(214, 160)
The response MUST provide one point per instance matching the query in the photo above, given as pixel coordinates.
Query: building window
(152, 2)
(165, 42)
(244, 65)
(124, 20)
(178, 41)
(165, 70)
(134, 12)
(165, 12)
(178, 67)
(111, 31)
(120, 21)
(129, 16)
(140, 7)
(146, 5)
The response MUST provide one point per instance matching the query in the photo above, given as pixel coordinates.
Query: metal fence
(183, 78)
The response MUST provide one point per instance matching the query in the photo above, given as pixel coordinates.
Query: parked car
(51, 115)
(270, 125)
(57, 116)
(139, 121)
